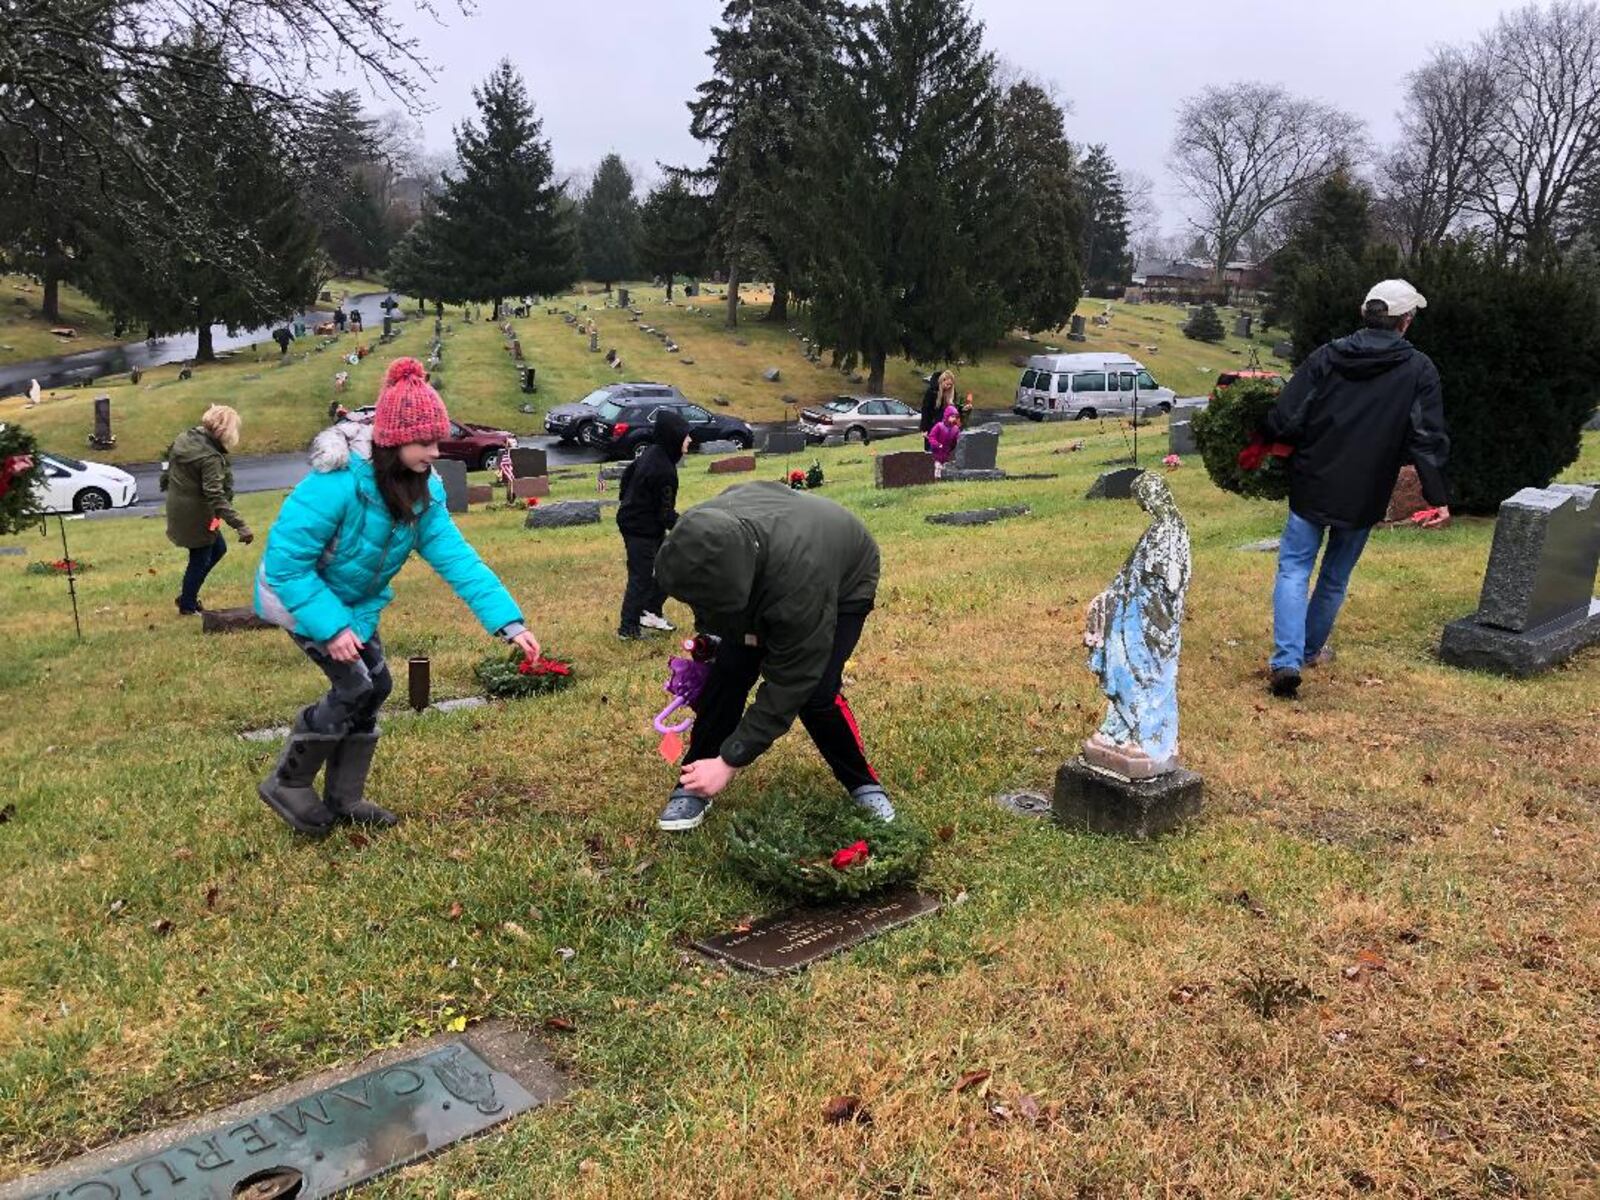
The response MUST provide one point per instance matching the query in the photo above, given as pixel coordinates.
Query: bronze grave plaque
(797, 937)
(308, 1141)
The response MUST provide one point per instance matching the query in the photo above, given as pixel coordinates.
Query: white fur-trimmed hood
(331, 449)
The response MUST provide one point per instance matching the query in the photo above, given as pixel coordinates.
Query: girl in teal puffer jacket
(342, 535)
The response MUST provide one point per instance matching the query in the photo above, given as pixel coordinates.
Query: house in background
(1188, 281)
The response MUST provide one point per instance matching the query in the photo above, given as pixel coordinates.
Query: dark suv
(575, 422)
(626, 428)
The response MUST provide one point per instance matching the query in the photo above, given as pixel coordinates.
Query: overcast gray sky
(615, 75)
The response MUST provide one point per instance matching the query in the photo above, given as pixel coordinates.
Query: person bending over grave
(647, 513)
(344, 532)
(786, 580)
(1354, 413)
(198, 481)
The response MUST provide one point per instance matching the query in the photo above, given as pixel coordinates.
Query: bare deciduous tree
(1543, 131)
(1428, 180)
(1244, 150)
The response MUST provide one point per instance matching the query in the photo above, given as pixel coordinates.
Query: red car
(479, 446)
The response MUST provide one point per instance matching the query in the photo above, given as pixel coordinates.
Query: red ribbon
(1259, 450)
(850, 855)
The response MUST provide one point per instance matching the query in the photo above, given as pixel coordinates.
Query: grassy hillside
(1406, 858)
(284, 404)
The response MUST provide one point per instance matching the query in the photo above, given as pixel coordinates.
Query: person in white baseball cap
(1355, 412)
(1399, 299)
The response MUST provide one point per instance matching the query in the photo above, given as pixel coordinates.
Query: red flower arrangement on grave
(1172, 462)
(543, 666)
(533, 502)
(797, 480)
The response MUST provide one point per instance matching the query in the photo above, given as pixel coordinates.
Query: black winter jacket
(1356, 411)
(650, 484)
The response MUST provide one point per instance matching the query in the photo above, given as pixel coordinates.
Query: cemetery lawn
(284, 406)
(25, 334)
(1399, 869)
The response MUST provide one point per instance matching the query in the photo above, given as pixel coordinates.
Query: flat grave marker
(795, 938)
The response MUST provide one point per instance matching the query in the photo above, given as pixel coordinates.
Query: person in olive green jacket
(786, 580)
(198, 482)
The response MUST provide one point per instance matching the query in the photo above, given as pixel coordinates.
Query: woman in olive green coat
(198, 482)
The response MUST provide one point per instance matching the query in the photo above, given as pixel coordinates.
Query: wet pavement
(65, 370)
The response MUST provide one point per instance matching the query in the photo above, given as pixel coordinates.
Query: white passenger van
(1056, 387)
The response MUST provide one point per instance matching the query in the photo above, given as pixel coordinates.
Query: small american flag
(507, 471)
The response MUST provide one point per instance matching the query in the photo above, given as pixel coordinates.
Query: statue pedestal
(1091, 801)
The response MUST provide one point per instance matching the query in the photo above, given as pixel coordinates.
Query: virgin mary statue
(1133, 635)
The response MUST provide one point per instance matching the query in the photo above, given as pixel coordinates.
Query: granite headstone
(907, 468)
(526, 460)
(1114, 485)
(1537, 607)
(454, 477)
(564, 513)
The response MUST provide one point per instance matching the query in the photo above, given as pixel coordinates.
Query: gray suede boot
(346, 780)
(288, 791)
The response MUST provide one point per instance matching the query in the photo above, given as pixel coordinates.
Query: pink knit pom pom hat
(408, 409)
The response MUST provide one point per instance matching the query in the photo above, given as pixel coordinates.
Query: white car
(72, 485)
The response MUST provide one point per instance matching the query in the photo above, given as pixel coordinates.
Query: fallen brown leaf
(161, 928)
(946, 832)
(1371, 960)
(211, 895)
(840, 1110)
(1188, 993)
(456, 910)
(559, 1025)
(971, 1080)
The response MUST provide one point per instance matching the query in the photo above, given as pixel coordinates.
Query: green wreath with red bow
(1237, 454)
(19, 474)
(818, 853)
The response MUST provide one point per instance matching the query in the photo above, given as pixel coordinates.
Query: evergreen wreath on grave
(814, 475)
(60, 567)
(822, 853)
(516, 676)
(19, 472)
(1235, 451)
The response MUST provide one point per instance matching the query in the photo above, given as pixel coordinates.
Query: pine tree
(913, 201)
(1045, 281)
(1329, 235)
(1105, 226)
(418, 267)
(675, 231)
(218, 137)
(1205, 325)
(505, 226)
(610, 224)
(768, 57)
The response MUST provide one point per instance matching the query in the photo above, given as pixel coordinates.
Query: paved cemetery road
(280, 472)
(64, 370)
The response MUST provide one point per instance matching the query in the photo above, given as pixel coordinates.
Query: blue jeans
(1300, 630)
(201, 563)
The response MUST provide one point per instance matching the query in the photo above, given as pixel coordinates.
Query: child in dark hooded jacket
(786, 580)
(647, 513)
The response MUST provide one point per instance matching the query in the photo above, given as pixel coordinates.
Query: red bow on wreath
(850, 855)
(10, 468)
(543, 666)
(1259, 450)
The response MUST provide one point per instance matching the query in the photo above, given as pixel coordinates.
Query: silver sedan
(859, 419)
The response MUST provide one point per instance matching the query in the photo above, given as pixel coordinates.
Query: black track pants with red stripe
(826, 715)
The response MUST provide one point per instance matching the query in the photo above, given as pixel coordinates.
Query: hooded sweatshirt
(773, 568)
(199, 486)
(650, 484)
(942, 438)
(1356, 411)
(334, 548)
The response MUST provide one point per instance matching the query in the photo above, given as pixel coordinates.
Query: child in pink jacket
(942, 438)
